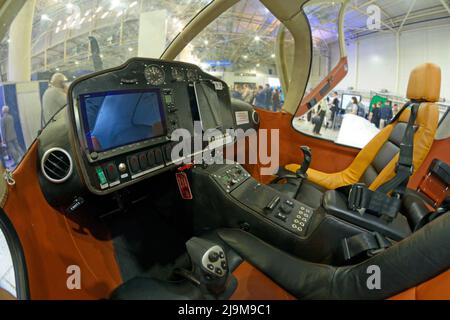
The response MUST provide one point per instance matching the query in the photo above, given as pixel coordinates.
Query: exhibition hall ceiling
(61, 28)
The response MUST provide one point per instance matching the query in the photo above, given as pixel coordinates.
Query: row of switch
(111, 172)
(145, 160)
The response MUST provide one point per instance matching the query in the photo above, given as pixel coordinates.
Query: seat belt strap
(370, 243)
(405, 166)
(378, 202)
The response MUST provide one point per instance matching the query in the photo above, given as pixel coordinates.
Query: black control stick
(307, 157)
(210, 264)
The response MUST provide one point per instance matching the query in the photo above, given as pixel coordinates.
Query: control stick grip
(307, 157)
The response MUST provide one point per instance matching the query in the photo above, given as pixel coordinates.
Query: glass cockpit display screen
(117, 118)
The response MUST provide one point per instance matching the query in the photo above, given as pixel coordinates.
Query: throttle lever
(307, 157)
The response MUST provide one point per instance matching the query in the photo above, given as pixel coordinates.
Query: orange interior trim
(437, 288)
(52, 242)
(325, 86)
(290, 142)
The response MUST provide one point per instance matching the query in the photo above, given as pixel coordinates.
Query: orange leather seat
(376, 162)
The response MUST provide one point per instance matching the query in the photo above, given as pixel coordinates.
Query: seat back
(382, 167)
(376, 163)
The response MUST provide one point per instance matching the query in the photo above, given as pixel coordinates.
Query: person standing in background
(375, 115)
(386, 114)
(394, 110)
(268, 92)
(352, 107)
(320, 117)
(334, 107)
(276, 100)
(55, 97)
(248, 94)
(9, 136)
(260, 99)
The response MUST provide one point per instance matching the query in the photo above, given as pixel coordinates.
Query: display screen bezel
(125, 147)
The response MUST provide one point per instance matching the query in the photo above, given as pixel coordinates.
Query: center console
(240, 201)
(278, 208)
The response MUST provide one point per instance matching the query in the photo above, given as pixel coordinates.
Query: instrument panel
(123, 119)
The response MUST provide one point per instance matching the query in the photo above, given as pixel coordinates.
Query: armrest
(335, 203)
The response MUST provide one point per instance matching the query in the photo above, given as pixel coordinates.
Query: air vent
(56, 165)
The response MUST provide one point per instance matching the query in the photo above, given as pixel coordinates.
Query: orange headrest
(425, 83)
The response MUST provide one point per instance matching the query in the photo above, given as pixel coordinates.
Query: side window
(379, 65)
(7, 273)
(239, 48)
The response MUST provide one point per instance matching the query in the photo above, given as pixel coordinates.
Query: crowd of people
(329, 112)
(264, 97)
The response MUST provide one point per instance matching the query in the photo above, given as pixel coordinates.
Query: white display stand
(356, 131)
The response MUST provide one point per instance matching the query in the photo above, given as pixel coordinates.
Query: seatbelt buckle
(355, 197)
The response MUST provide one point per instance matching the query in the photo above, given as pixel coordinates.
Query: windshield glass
(64, 32)
(50, 43)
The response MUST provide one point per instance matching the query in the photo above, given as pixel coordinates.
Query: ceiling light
(59, 23)
(87, 13)
(57, 30)
(98, 9)
(245, 57)
(69, 6)
(77, 62)
(114, 4)
(257, 38)
(104, 15)
(258, 65)
(57, 69)
(206, 42)
(120, 13)
(273, 55)
(45, 17)
(82, 20)
(133, 4)
(130, 49)
(101, 56)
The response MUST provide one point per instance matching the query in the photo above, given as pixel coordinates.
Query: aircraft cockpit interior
(164, 177)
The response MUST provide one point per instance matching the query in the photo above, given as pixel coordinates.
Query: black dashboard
(126, 124)
(125, 120)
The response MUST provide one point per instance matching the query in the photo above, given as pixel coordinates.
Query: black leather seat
(415, 260)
